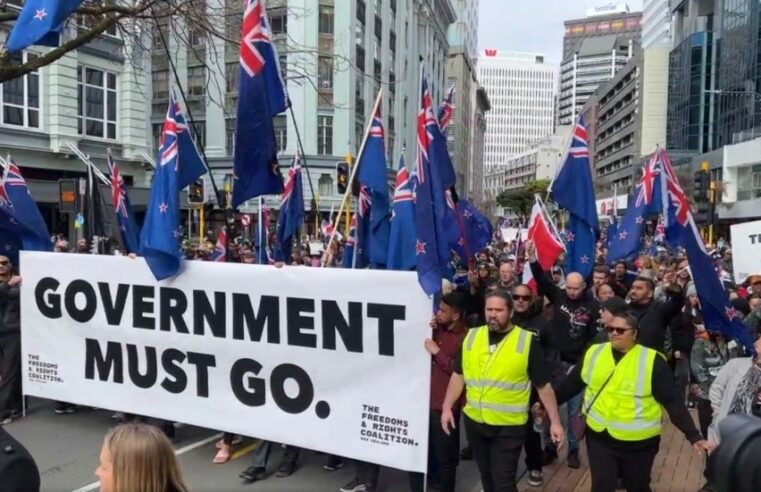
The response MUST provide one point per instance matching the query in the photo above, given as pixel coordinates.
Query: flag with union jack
(179, 164)
(401, 243)
(351, 242)
(291, 214)
(573, 190)
(446, 110)
(261, 96)
(220, 249)
(125, 216)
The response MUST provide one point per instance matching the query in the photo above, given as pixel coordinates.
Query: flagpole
(350, 183)
(356, 239)
(303, 157)
(260, 237)
(562, 159)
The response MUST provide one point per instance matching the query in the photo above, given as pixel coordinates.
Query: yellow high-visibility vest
(626, 407)
(497, 382)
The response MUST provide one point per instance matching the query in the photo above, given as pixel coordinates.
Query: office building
(480, 103)
(463, 31)
(613, 18)
(597, 60)
(656, 24)
(521, 88)
(335, 57)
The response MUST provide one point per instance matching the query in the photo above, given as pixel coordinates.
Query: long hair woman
(138, 458)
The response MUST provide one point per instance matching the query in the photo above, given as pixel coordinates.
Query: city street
(66, 448)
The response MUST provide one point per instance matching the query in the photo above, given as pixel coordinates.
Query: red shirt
(449, 342)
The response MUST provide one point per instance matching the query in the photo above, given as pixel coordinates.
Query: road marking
(244, 451)
(182, 450)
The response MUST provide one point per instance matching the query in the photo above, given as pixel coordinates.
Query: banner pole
(353, 174)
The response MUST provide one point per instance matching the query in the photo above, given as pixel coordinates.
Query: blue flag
(179, 164)
(374, 229)
(261, 96)
(10, 241)
(351, 242)
(125, 216)
(22, 213)
(478, 228)
(291, 212)
(718, 312)
(611, 232)
(431, 245)
(40, 22)
(401, 244)
(262, 238)
(573, 190)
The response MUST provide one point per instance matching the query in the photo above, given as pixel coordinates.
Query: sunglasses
(4, 262)
(517, 297)
(617, 330)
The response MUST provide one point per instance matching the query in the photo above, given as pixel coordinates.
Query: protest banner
(746, 249)
(326, 359)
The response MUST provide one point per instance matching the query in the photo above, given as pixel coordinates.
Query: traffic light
(342, 176)
(196, 192)
(701, 186)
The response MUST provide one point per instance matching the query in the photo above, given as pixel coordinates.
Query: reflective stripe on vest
(497, 384)
(626, 408)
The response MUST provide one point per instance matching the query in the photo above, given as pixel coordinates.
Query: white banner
(746, 249)
(326, 359)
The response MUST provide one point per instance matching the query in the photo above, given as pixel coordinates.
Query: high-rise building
(521, 88)
(464, 31)
(597, 60)
(613, 18)
(335, 57)
(475, 188)
(656, 23)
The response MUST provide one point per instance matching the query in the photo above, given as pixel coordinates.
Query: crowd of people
(614, 351)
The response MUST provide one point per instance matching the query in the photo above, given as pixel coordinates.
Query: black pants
(607, 463)
(443, 451)
(496, 456)
(533, 448)
(10, 373)
(705, 415)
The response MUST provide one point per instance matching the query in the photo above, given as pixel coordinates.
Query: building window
(89, 21)
(324, 135)
(196, 81)
(200, 137)
(232, 75)
(326, 19)
(325, 72)
(157, 129)
(21, 96)
(281, 132)
(96, 102)
(160, 81)
(325, 185)
(230, 136)
(279, 21)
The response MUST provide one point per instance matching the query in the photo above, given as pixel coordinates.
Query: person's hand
(14, 281)
(431, 346)
(434, 323)
(677, 354)
(557, 433)
(694, 389)
(279, 264)
(132, 256)
(473, 278)
(704, 446)
(447, 421)
(530, 250)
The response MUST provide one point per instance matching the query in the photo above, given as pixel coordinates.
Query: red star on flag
(163, 208)
(419, 248)
(40, 14)
(570, 236)
(731, 313)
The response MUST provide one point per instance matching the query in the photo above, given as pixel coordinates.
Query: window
(89, 21)
(196, 81)
(281, 132)
(326, 19)
(324, 135)
(200, 137)
(160, 84)
(325, 185)
(96, 98)
(21, 96)
(230, 133)
(360, 60)
(279, 21)
(325, 72)
(157, 129)
(232, 74)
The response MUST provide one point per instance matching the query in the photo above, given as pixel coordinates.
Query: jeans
(572, 407)
(497, 458)
(682, 374)
(444, 455)
(262, 454)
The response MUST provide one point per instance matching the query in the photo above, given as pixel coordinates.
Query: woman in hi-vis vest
(626, 386)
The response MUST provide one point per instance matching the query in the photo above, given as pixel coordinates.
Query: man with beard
(499, 363)
(574, 326)
(654, 316)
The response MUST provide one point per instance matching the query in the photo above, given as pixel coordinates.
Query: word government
(223, 314)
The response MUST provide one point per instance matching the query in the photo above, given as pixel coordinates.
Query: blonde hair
(143, 460)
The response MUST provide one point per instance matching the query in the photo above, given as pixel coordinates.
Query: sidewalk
(677, 468)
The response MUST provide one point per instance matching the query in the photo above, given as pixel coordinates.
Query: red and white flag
(542, 232)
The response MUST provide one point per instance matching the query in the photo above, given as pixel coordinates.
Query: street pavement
(66, 449)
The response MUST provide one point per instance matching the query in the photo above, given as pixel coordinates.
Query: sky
(534, 26)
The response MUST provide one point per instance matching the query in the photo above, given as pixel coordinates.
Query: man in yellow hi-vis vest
(497, 366)
(626, 386)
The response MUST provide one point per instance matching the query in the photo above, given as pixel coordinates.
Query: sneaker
(549, 456)
(573, 459)
(64, 408)
(285, 469)
(356, 486)
(6, 419)
(535, 478)
(333, 463)
(253, 473)
(466, 454)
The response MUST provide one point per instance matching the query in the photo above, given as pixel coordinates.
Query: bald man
(573, 326)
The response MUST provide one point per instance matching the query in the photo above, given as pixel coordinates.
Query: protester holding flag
(10, 343)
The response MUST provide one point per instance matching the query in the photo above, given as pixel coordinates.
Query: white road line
(182, 450)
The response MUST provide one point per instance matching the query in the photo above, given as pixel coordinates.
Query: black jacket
(683, 331)
(10, 309)
(574, 321)
(532, 321)
(655, 317)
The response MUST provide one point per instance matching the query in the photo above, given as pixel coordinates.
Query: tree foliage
(521, 200)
